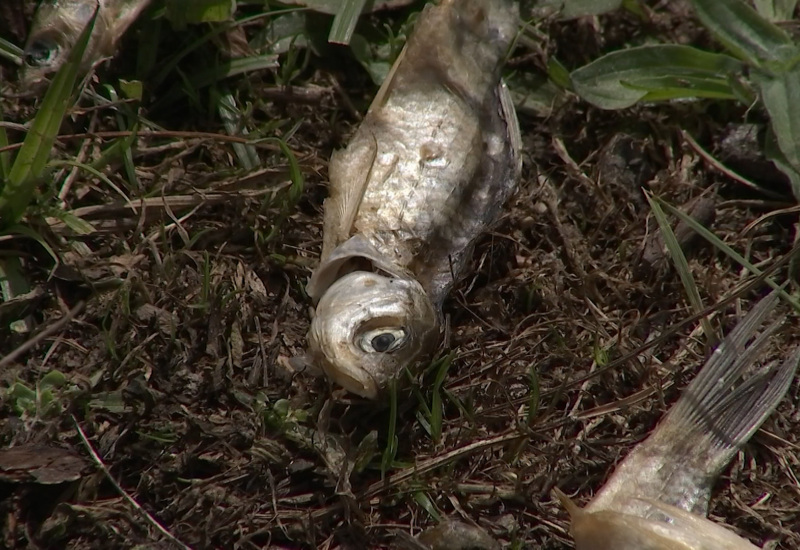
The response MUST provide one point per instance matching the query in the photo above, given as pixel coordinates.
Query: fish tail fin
(718, 412)
(722, 403)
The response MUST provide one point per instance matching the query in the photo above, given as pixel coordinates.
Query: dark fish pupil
(39, 53)
(382, 341)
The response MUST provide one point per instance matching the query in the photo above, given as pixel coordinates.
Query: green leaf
(558, 73)
(132, 89)
(23, 398)
(35, 151)
(776, 10)
(378, 66)
(53, 379)
(344, 23)
(77, 224)
(620, 79)
(569, 9)
(773, 152)
(745, 33)
(191, 12)
(781, 96)
(281, 33)
(671, 87)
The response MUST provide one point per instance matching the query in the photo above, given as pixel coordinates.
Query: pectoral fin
(355, 254)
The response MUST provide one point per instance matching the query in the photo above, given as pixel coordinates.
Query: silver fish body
(427, 171)
(57, 25)
(657, 498)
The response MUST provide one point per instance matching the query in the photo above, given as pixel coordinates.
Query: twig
(49, 331)
(150, 519)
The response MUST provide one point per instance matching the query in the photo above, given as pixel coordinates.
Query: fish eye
(382, 340)
(41, 52)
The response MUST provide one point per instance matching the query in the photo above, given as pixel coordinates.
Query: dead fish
(427, 171)
(57, 25)
(657, 498)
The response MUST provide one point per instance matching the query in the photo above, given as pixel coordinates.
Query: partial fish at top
(427, 171)
(657, 498)
(57, 25)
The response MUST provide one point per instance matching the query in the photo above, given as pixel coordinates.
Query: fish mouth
(357, 381)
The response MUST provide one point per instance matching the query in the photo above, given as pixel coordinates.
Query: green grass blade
(295, 174)
(681, 266)
(345, 20)
(387, 459)
(427, 504)
(5, 157)
(232, 119)
(437, 407)
(11, 52)
(32, 157)
(744, 32)
(93, 170)
(26, 231)
(534, 401)
(127, 152)
(720, 245)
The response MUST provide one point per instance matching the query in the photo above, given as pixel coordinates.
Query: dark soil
(174, 323)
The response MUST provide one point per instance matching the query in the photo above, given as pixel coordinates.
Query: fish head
(58, 24)
(661, 527)
(56, 27)
(368, 327)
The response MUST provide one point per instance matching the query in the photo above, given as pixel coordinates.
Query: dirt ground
(174, 322)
